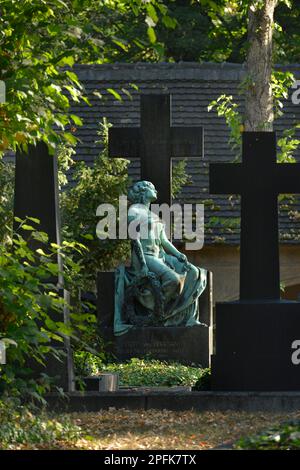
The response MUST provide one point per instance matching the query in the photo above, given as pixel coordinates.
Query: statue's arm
(170, 248)
(138, 249)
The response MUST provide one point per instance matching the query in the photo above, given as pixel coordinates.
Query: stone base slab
(254, 346)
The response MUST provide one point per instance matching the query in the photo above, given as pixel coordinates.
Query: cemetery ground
(125, 429)
(26, 428)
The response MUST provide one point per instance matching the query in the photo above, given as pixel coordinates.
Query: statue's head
(142, 192)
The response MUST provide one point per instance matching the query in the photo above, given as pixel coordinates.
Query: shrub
(20, 425)
(27, 295)
(204, 381)
(102, 183)
(283, 437)
(140, 372)
(6, 200)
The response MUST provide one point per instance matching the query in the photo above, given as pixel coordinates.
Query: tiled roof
(192, 86)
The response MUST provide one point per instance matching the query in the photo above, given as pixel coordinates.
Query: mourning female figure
(160, 287)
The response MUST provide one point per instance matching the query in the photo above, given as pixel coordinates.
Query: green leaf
(88, 236)
(122, 45)
(40, 236)
(114, 93)
(55, 246)
(152, 12)
(41, 252)
(33, 219)
(76, 119)
(169, 22)
(73, 77)
(70, 138)
(134, 86)
(151, 34)
(68, 60)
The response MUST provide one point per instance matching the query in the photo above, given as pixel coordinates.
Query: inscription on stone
(156, 348)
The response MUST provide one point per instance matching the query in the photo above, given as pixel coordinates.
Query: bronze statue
(160, 288)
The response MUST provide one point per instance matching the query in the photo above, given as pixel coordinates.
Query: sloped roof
(192, 86)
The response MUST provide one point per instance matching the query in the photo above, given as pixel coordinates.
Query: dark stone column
(36, 195)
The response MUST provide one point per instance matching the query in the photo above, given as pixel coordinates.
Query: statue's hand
(181, 257)
(144, 271)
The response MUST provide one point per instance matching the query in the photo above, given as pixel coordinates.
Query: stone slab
(201, 401)
(254, 346)
(188, 345)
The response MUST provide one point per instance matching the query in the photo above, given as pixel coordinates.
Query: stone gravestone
(255, 336)
(36, 195)
(155, 143)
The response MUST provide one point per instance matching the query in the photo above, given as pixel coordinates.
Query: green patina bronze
(160, 288)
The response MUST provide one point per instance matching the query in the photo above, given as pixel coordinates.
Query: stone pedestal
(254, 346)
(188, 345)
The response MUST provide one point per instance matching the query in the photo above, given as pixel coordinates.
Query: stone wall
(223, 261)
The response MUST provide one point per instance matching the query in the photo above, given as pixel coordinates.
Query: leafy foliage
(6, 200)
(20, 425)
(284, 437)
(40, 41)
(27, 296)
(226, 108)
(287, 144)
(128, 29)
(204, 381)
(199, 30)
(104, 182)
(37, 39)
(65, 161)
(286, 34)
(141, 372)
(180, 177)
(281, 83)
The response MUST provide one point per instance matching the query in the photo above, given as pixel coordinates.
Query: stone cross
(156, 142)
(259, 180)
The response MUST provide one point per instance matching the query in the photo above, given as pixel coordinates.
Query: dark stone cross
(259, 180)
(255, 336)
(156, 143)
(36, 195)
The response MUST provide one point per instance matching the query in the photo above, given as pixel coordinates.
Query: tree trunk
(259, 113)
